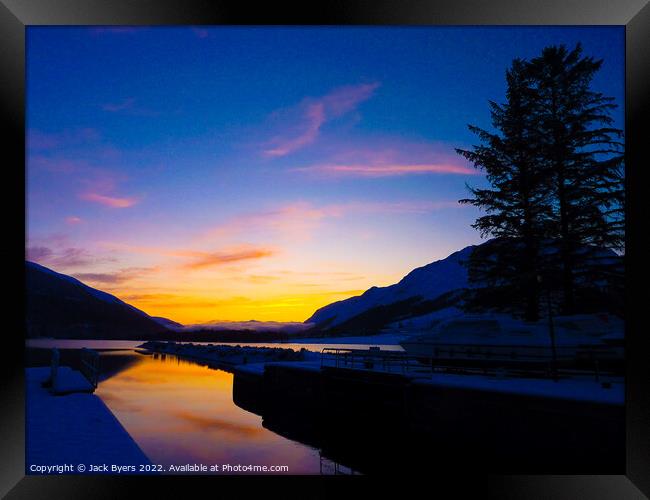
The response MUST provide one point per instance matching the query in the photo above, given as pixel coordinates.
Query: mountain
(167, 323)
(434, 292)
(62, 306)
(430, 288)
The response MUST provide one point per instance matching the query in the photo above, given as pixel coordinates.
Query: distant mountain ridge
(61, 306)
(250, 325)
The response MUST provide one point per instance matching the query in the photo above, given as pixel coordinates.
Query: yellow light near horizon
(189, 309)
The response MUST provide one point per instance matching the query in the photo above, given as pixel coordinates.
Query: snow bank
(424, 322)
(68, 381)
(73, 429)
(496, 329)
(375, 340)
(572, 389)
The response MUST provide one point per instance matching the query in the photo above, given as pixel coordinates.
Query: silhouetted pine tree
(583, 155)
(517, 205)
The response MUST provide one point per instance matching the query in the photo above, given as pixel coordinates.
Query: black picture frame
(16, 15)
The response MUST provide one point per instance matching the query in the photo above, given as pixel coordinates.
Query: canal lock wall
(378, 422)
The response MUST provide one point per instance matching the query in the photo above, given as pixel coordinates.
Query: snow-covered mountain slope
(423, 322)
(427, 295)
(106, 297)
(427, 283)
(59, 305)
(168, 323)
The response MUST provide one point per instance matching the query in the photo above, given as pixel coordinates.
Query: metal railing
(369, 359)
(331, 467)
(500, 360)
(89, 365)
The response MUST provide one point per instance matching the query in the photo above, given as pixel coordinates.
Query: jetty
(225, 356)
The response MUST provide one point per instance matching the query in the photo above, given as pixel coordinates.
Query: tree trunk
(531, 284)
(565, 252)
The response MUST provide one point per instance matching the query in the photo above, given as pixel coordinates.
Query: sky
(236, 173)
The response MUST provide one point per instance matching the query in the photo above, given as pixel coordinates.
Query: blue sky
(236, 173)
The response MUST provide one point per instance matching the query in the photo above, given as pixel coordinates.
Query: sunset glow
(181, 411)
(232, 174)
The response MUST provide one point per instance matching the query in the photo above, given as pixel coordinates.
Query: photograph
(325, 250)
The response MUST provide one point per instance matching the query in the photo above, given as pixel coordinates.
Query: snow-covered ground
(576, 389)
(424, 322)
(73, 429)
(502, 329)
(379, 339)
(70, 381)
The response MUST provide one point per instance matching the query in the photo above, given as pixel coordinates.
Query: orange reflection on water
(179, 412)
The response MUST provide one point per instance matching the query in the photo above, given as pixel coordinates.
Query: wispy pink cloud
(38, 253)
(60, 258)
(108, 201)
(295, 220)
(73, 219)
(385, 170)
(386, 156)
(61, 253)
(347, 98)
(190, 258)
(207, 259)
(100, 186)
(117, 277)
(314, 119)
(312, 113)
(299, 219)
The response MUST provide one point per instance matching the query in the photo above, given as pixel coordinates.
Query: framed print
(260, 248)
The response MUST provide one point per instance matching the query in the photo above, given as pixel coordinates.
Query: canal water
(180, 412)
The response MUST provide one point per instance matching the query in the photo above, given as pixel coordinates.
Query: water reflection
(180, 412)
(132, 344)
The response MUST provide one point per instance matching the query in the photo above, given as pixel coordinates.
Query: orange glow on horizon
(188, 309)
